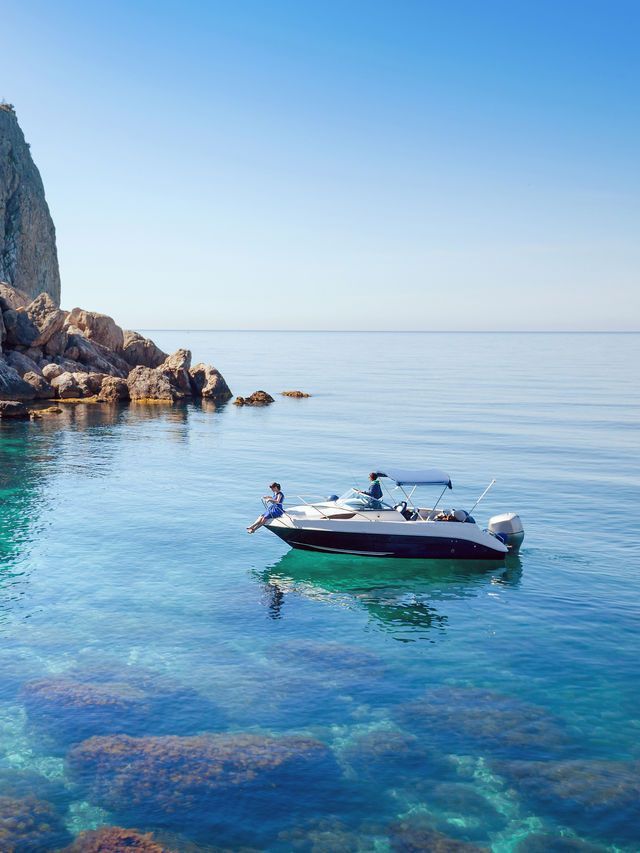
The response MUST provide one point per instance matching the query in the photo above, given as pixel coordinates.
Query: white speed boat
(358, 524)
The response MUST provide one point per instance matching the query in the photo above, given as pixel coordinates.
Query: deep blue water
(498, 706)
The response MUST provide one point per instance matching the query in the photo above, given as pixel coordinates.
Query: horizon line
(412, 331)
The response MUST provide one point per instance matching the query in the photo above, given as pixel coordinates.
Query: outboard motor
(508, 528)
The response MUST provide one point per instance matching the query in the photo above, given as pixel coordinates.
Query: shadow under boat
(397, 593)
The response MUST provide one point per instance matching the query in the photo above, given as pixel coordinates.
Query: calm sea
(497, 706)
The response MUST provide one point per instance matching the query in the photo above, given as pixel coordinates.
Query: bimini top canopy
(417, 477)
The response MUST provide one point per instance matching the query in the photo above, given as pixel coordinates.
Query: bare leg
(256, 524)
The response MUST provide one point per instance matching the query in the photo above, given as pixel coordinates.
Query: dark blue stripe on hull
(383, 545)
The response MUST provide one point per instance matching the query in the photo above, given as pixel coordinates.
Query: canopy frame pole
(481, 496)
(438, 501)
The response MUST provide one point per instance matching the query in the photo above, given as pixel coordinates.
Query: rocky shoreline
(50, 354)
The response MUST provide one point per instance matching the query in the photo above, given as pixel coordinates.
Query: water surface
(125, 566)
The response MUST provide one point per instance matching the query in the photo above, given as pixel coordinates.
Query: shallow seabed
(495, 705)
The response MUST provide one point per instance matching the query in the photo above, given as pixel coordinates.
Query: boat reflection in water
(401, 595)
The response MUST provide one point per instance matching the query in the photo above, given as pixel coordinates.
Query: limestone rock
(13, 409)
(113, 389)
(50, 371)
(12, 385)
(147, 384)
(11, 298)
(176, 368)
(258, 398)
(20, 331)
(180, 360)
(94, 356)
(57, 344)
(65, 386)
(46, 317)
(208, 382)
(77, 385)
(21, 363)
(28, 256)
(42, 389)
(34, 353)
(97, 327)
(139, 351)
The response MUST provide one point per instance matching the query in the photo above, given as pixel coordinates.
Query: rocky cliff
(28, 256)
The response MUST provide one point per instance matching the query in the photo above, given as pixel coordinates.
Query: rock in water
(147, 384)
(258, 398)
(209, 382)
(28, 256)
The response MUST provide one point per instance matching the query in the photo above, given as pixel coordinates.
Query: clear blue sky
(401, 165)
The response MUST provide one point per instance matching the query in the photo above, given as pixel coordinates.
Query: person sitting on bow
(274, 510)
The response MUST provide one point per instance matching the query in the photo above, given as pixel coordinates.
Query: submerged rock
(543, 843)
(258, 398)
(296, 394)
(471, 718)
(196, 779)
(209, 383)
(115, 839)
(599, 798)
(29, 825)
(413, 836)
(391, 754)
(71, 708)
(70, 711)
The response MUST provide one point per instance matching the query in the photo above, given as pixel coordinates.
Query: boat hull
(385, 544)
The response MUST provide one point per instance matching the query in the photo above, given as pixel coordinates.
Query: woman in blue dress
(274, 510)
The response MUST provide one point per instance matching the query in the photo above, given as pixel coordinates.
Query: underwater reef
(72, 708)
(191, 782)
(30, 825)
(471, 718)
(414, 836)
(600, 798)
(114, 839)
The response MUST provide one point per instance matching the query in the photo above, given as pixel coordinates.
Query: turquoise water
(496, 705)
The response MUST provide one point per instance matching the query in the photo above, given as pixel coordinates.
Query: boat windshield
(356, 500)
